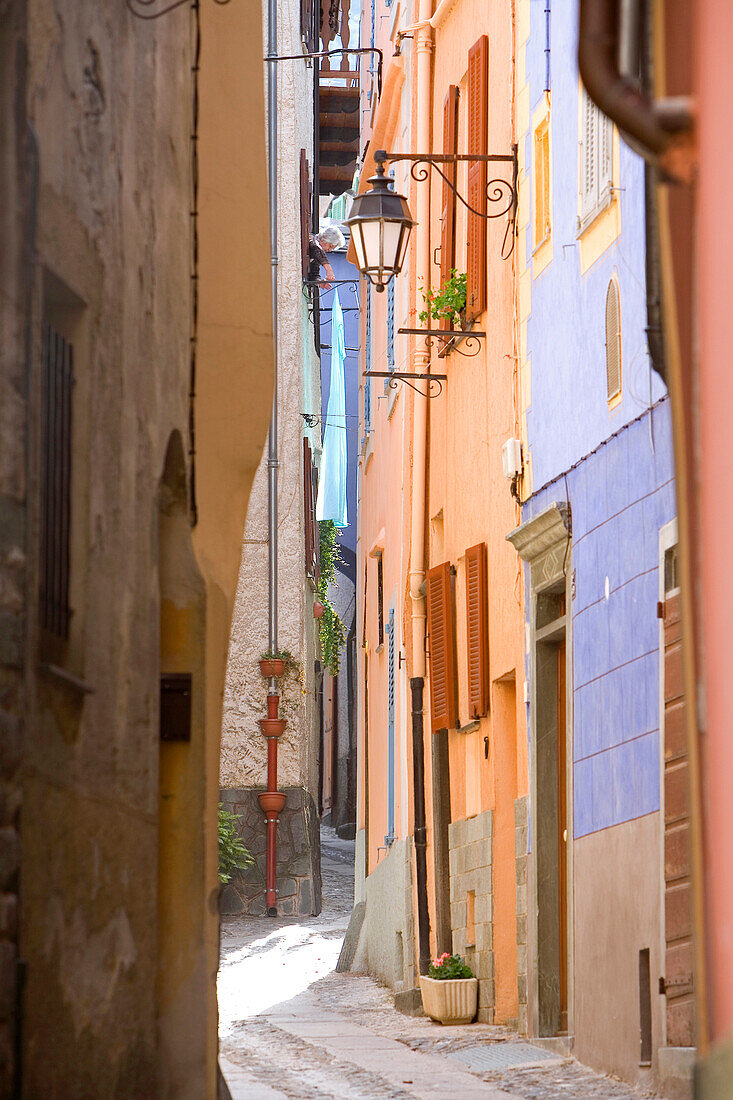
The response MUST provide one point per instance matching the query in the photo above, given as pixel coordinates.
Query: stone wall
(521, 839)
(298, 856)
(471, 898)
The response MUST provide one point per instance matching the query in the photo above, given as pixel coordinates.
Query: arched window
(613, 341)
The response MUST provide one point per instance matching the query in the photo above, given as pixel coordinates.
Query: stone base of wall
(521, 809)
(298, 856)
(470, 855)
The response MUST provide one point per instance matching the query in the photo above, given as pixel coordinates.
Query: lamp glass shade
(380, 222)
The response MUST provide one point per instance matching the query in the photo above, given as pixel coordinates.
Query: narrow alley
(291, 1028)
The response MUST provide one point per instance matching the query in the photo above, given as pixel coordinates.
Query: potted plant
(447, 304)
(273, 664)
(450, 990)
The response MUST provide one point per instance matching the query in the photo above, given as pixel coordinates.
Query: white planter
(451, 1001)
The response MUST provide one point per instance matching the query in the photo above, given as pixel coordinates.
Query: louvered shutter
(441, 635)
(368, 360)
(448, 211)
(613, 341)
(304, 212)
(310, 495)
(478, 125)
(588, 176)
(605, 155)
(390, 835)
(477, 630)
(390, 328)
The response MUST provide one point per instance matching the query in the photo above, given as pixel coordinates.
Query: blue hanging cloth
(331, 502)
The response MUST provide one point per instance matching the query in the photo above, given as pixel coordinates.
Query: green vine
(332, 630)
(233, 856)
(448, 303)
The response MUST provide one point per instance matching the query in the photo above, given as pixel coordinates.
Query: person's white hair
(332, 235)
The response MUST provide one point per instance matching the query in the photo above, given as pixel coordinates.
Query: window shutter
(390, 328)
(478, 110)
(588, 181)
(613, 341)
(368, 360)
(477, 630)
(448, 212)
(441, 633)
(389, 838)
(605, 154)
(304, 212)
(310, 496)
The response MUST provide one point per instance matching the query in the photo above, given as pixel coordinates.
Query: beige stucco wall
(243, 754)
(616, 916)
(120, 996)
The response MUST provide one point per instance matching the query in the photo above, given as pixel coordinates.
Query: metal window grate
(57, 384)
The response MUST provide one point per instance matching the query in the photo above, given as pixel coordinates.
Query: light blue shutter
(389, 838)
(368, 362)
(390, 325)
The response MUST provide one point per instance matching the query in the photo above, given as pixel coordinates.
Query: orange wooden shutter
(443, 709)
(477, 630)
(448, 215)
(304, 212)
(478, 126)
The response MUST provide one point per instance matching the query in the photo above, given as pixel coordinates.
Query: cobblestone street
(293, 1029)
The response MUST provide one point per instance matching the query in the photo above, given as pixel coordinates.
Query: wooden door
(562, 833)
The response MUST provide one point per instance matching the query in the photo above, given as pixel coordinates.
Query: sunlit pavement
(292, 1029)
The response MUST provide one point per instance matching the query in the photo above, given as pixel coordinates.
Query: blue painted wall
(614, 467)
(349, 298)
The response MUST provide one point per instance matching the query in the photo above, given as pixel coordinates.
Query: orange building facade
(442, 722)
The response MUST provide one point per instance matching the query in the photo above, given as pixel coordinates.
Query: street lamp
(380, 222)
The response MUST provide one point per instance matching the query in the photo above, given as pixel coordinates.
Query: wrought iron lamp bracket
(395, 376)
(499, 191)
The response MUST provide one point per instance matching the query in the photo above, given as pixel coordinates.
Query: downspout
(424, 49)
(272, 802)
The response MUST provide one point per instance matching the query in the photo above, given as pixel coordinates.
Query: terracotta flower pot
(272, 727)
(318, 610)
(271, 801)
(449, 1001)
(272, 666)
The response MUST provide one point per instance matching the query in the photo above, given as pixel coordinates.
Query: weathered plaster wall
(107, 1010)
(617, 915)
(387, 942)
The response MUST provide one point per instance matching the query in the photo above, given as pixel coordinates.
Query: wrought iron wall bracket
(449, 338)
(502, 193)
(396, 376)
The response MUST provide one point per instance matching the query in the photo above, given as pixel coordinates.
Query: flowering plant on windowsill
(449, 967)
(449, 303)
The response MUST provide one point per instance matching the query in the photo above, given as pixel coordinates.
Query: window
(305, 212)
(390, 327)
(368, 362)
(477, 630)
(310, 496)
(380, 600)
(448, 200)
(57, 382)
(542, 209)
(390, 836)
(478, 125)
(441, 633)
(613, 342)
(596, 161)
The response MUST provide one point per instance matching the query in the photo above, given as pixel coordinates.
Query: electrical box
(511, 457)
(175, 706)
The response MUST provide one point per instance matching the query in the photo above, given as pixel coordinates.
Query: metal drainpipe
(424, 50)
(272, 806)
